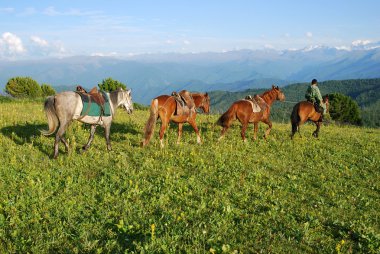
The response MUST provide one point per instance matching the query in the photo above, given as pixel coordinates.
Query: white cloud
(186, 42)
(269, 46)
(170, 42)
(10, 44)
(346, 48)
(51, 11)
(104, 54)
(360, 43)
(28, 12)
(39, 41)
(309, 34)
(7, 10)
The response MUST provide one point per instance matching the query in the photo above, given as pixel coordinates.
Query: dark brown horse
(304, 111)
(165, 107)
(242, 110)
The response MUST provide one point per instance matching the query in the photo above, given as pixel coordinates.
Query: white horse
(64, 107)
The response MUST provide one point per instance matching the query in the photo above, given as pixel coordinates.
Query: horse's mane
(270, 93)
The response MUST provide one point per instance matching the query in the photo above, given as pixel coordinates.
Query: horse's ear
(206, 94)
(277, 88)
(272, 86)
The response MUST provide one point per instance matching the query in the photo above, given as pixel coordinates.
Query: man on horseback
(314, 96)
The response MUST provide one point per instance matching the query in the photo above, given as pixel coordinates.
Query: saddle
(97, 96)
(185, 104)
(255, 106)
(100, 108)
(317, 108)
(94, 95)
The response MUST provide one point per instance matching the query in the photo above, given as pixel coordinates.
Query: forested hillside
(366, 92)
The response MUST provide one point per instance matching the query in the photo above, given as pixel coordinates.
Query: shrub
(47, 90)
(23, 87)
(344, 109)
(109, 85)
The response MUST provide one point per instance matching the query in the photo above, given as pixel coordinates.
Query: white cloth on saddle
(255, 107)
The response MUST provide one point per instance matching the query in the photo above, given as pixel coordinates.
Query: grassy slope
(306, 195)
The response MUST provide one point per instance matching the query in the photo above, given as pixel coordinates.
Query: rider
(314, 96)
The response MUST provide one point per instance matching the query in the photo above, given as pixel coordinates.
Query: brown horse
(242, 110)
(165, 107)
(304, 111)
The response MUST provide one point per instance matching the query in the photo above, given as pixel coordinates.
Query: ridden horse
(304, 111)
(164, 107)
(242, 110)
(64, 107)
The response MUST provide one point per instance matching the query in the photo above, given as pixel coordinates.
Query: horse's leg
(164, 124)
(59, 137)
(315, 133)
(63, 140)
(255, 130)
(180, 126)
(269, 123)
(225, 128)
(194, 125)
(92, 132)
(107, 130)
(243, 129)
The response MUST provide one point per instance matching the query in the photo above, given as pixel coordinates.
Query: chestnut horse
(242, 110)
(164, 107)
(304, 111)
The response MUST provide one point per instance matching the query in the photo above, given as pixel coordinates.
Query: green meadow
(304, 195)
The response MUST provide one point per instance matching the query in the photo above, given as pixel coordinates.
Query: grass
(277, 196)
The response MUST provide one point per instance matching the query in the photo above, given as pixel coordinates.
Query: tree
(110, 85)
(47, 90)
(23, 87)
(344, 109)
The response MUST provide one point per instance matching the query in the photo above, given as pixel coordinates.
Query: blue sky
(41, 28)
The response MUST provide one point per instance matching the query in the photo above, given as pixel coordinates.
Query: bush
(344, 109)
(47, 90)
(110, 85)
(23, 87)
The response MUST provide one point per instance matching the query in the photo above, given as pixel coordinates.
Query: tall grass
(277, 196)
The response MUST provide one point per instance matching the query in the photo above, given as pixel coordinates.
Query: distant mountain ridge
(153, 74)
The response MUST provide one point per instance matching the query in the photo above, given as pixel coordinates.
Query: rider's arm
(318, 94)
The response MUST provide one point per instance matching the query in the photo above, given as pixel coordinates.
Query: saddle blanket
(255, 107)
(95, 109)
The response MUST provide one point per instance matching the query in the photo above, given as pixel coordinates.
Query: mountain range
(152, 74)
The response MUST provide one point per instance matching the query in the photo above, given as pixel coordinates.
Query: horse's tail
(227, 117)
(151, 123)
(295, 119)
(51, 115)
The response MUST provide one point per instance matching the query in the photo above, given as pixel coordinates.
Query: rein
(294, 102)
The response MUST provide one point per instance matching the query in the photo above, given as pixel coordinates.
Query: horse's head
(279, 94)
(125, 99)
(202, 101)
(325, 100)
(205, 105)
